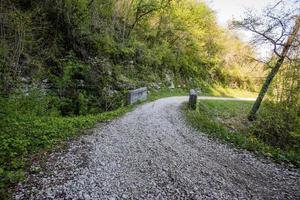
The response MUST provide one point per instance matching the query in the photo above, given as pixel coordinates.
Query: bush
(278, 125)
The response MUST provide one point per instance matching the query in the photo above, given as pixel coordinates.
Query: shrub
(279, 125)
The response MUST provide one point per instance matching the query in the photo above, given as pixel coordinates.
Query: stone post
(193, 99)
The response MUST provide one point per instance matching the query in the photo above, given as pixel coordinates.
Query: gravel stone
(151, 153)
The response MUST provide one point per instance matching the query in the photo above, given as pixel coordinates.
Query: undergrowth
(26, 135)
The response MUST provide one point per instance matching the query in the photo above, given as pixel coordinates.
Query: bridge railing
(139, 94)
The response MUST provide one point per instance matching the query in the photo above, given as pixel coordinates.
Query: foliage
(85, 88)
(225, 91)
(277, 28)
(227, 121)
(164, 92)
(281, 130)
(144, 37)
(239, 69)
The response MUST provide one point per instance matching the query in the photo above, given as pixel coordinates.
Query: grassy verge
(167, 93)
(27, 135)
(226, 121)
(217, 90)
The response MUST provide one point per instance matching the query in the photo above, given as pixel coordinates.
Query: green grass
(26, 135)
(217, 90)
(226, 121)
(165, 92)
(226, 109)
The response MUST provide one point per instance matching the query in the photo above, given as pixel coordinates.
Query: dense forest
(86, 53)
(65, 61)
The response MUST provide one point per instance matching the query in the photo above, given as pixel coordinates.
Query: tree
(275, 28)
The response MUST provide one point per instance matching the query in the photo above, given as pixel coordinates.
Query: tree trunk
(275, 69)
(264, 89)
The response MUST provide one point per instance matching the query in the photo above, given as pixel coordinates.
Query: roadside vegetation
(275, 136)
(26, 132)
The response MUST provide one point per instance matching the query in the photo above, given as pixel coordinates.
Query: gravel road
(151, 153)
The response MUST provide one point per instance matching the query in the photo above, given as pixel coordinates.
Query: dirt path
(150, 153)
